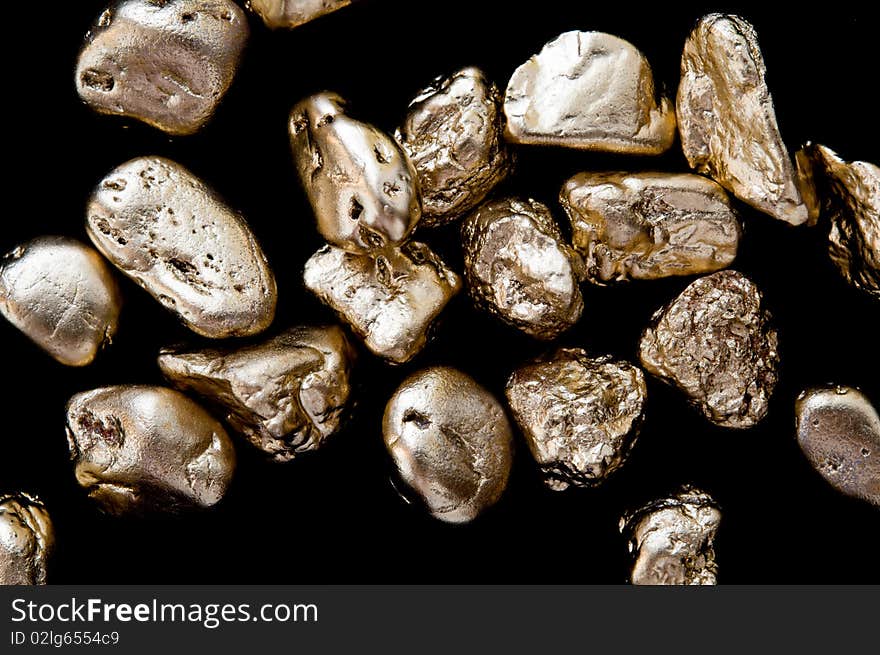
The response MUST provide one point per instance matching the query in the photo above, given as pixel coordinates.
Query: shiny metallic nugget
(672, 540)
(361, 185)
(519, 268)
(454, 136)
(390, 299)
(450, 441)
(165, 229)
(727, 120)
(167, 63)
(143, 449)
(580, 415)
(850, 195)
(839, 432)
(591, 91)
(62, 295)
(293, 13)
(717, 344)
(286, 395)
(27, 540)
(644, 226)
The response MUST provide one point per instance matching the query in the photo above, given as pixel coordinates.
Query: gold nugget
(727, 121)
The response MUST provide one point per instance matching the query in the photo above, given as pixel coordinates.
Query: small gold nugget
(293, 13)
(27, 540)
(286, 395)
(644, 226)
(164, 228)
(591, 91)
(851, 195)
(672, 540)
(727, 121)
(580, 415)
(62, 295)
(717, 344)
(451, 442)
(839, 432)
(142, 449)
(390, 299)
(361, 185)
(167, 63)
(519, 268)
(454, 136)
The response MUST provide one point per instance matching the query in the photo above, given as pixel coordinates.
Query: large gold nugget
(390, 299)
(644, 226)
(580, 415)
(672, 540)
(293, 13)
(286, 395)
(361, 185)
(519, 268)
(727, 121)
(851, 194)
(141, 449)
(27, 540)
(167, 63)
(591, 91)
(451, 442)
(839, 432)
(453, 135)
(716, 343)
(62, 295)
(170, 233)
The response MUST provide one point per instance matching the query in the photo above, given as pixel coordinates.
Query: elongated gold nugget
(62, 295)
(454, 136)
(591, 91)
(519, 268)
(643, 226)
(717, 344)
(851, 198)
(293, 13)
(27, 540)
(165, 229)
(672, 540)
(142, 449)
(167, 63)
(286, 395)
(390, 298)
(839, 432)
(727, 121)
(361, 185)
(580, 415)
(451, 442)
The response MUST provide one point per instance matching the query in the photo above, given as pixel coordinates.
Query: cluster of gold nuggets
(139, 449)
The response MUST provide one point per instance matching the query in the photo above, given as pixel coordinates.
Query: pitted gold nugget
(166, 230)
(144, 449)
(167, 63)
(362, 187)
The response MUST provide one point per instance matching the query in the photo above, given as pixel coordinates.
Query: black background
(332, 516)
